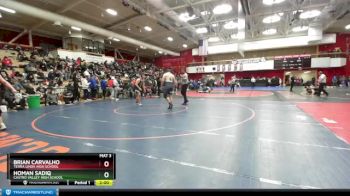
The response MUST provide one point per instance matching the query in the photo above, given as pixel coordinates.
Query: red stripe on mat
(335, 116)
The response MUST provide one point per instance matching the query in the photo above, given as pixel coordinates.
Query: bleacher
(18, 66)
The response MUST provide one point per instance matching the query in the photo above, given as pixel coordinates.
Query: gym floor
(255, 138)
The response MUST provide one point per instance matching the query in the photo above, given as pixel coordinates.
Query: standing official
(233, 83)
(292, 83)
(184, 86)
(253, 80)
(322, 80)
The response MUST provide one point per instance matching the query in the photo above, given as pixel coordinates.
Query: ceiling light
(69, 32)
(204, 13)
(7, 10)
(222, 9)
(214, 39)
(300, 28)
(310, 14)
(143, 47)
(297, 11)
(231, 25)
(234, 36)
(0, 15)
(186, 17)
(160, 52)
(75, 28)
(147, 28)
(271, 2)
(270, 32)
(239, 36)
(184, 45)
(111, 12)
(170, 39)
(347, 27)
(57, 23)
(202, 30)
(271, 19)
(117, 40)
(215, 25)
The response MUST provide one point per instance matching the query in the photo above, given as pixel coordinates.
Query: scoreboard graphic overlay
(77, 169)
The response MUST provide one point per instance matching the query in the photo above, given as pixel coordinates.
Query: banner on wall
(247, 61)
(235, 66)
(257, 64)
(326, 62)
(203, 47)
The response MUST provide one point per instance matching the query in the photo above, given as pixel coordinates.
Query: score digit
(106, 164)
(106, 174)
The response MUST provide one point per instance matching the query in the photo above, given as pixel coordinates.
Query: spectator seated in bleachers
(194, 85)
(20, 102)
(68, 94)
(8, 98)
(28, 87)
(56, 73)
(6, 62)
(41, 90)
(30, 67)
(16, 81)
(21, 56)
(51, 98)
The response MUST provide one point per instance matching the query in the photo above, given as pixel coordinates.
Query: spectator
(233, 83)
(334, 80)
(115, 88)
(21, 56)
(93, 87)
(292, 83)
(104, 87)
(253, 81)
(6, 62)
(85, 86)
(322, 80)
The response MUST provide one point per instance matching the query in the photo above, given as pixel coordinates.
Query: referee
(184, 86)
(322, 80)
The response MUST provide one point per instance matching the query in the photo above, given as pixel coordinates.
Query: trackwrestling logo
(8, 191)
